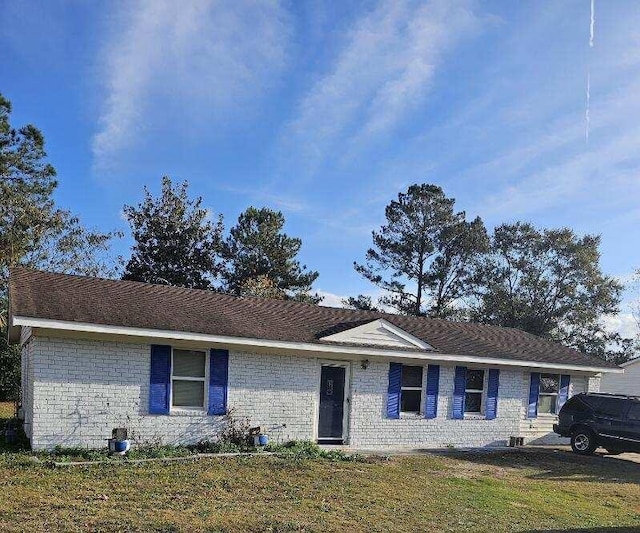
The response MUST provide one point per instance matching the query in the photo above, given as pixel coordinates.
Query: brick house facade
(368, 380)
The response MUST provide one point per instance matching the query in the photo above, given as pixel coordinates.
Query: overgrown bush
(18, 442)
(304, 449)
(219, 446)
(235, 431)
(9, 370)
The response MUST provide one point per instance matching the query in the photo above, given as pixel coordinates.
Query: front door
(331, 408)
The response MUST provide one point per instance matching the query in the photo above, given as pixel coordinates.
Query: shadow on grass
(556, 465)
(587, 530)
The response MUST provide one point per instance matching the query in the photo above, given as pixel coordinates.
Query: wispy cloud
(262, 197)
(331, 299)
(623, 323)
(201, 60)
(382, 73)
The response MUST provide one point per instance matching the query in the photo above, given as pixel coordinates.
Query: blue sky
(326, 110)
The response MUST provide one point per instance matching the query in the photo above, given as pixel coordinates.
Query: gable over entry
(379, 333)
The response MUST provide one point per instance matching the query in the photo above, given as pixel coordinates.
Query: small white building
(627, 383)
(167, 362)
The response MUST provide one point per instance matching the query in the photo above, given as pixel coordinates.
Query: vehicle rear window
(611, 407)
(577, 405)
(634, 412)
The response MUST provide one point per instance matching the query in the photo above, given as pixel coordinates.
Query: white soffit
(293, 347)
(379, 333)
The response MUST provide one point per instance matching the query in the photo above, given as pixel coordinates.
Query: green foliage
(220, 446)
(235, 430)
(262, 259)
(9, 369)
(360, 302)
(175, 242)
(298, 450)
(423, 256)
(610, 346)
(33, 231)
(293, 451)
(549, 283)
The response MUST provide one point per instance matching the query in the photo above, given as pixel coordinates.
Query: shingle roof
(64, 297)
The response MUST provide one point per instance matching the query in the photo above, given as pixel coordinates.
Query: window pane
(475, 379)
(411, 376)
(634, 412)
(410, 401)
(188, 363)
(611, 407)
(549, 383)
(547, 404)
(472, 402)
(188, 393)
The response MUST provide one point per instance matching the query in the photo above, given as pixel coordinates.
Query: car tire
(583, 441)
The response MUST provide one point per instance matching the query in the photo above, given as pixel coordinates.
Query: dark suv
(598, 419)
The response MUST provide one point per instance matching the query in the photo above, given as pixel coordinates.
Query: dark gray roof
(131, 304)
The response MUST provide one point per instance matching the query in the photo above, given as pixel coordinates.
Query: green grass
(517, 491)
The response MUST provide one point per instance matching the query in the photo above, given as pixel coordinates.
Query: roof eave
(296, 347)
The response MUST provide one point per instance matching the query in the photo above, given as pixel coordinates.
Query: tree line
(427, 259)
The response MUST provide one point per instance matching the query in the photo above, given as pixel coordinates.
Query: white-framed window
(474, 391)
(189, 373)
(411, 389)
(548, 395)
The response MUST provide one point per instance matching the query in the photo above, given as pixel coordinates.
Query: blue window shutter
(493, 384)
(160, 381)
(459, 385)
(393, 392)
(534, 391)
(563, 394)
(218, 381)
(433, 384)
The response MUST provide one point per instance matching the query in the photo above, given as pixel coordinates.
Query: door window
(549, 389)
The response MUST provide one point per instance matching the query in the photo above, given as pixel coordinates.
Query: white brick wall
(26, 378)
(370, 426)
(82, 389)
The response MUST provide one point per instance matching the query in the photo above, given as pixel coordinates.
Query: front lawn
(506, 491)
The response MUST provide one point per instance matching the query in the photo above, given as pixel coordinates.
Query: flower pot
(260, 440)
(119, 446)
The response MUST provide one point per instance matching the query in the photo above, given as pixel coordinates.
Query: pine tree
(258, 249)
(34, 232)
(175, 242)
(423, 256)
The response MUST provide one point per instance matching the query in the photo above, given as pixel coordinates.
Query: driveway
(552, 450)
